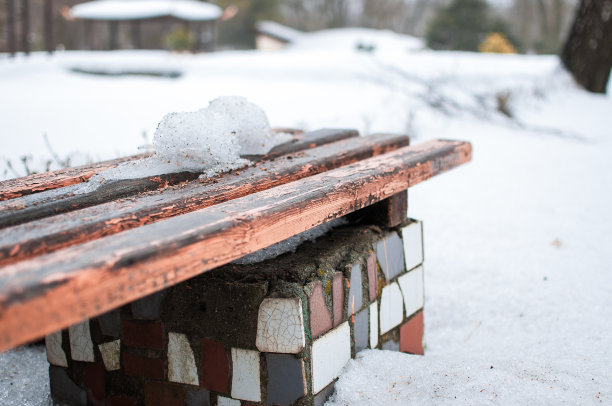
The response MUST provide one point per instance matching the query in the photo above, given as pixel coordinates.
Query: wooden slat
(52, 202)
(13, 188)
(52, 233)
(51, 292)
(312, 139)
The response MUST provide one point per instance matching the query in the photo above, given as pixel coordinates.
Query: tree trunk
(10, 27)
(113, 29)
(136, 34)
(88, 37)
(49, 30)
(25, 26)
(557, 19)
(543, 13)
(587, 53)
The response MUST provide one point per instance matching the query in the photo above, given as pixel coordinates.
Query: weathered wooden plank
(13, 188)
(52, 202)
(311, 139)
(75, 227)
(51, 292)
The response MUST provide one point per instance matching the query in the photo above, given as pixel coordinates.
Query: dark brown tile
(94, 378)
(164, 394)
(122, 400)
(143, 334)
(136, 365)
(214, 371)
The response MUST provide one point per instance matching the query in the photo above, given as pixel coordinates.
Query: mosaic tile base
(277, 332)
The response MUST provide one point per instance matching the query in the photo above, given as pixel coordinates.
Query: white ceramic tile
(81, 346)
(111, 352)
(391, 307)
(245, 376)
(181, 362)
(411, 285)
(280, 326)
(223, 401)
(55, 352)
(330, 353)
(412, 235)
(373, 324)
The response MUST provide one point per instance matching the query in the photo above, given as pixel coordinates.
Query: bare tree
(540, 25)
(10, 27)
(317, 14)
(406, 16)
(588, 50)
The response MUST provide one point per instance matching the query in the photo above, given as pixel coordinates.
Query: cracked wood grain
(44, 294)
(62, 200)
(39, 182)
(53, 233)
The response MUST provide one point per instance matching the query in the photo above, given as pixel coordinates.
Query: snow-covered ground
(518, 258)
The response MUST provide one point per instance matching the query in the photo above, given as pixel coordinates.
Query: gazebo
(133, 12)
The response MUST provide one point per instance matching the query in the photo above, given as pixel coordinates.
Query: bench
(69, 258)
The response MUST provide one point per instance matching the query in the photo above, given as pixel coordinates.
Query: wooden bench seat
(65, 257)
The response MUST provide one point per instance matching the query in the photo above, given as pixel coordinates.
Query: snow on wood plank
(13, 188)
(45, 294)
(75, 227)
(53, 202)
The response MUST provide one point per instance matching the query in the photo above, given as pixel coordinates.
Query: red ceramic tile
(338, 297)
(372, 277)
(136, 365)
(214, 371)
(164, 394)
(411, 335)
(121, 400)
(143, 334)
(94, 379)
(320, 319)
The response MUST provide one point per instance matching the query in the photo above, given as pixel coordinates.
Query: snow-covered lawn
(518, 259)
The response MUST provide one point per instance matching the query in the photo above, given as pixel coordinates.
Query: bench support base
(274, 332)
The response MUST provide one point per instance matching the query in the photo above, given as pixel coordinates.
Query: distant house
(197, 18)
(270, 35)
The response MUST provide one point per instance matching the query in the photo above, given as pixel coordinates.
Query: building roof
(144, 9)
(278, 31)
